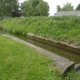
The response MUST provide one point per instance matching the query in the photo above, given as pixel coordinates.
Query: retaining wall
(62, 44)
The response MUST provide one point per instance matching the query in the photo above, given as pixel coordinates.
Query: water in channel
(72, 56)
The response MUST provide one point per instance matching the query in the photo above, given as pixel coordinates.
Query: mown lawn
(20, 62)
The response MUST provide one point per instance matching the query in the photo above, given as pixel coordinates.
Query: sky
(54, 3)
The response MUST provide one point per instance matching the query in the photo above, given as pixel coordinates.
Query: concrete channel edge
(63, 64)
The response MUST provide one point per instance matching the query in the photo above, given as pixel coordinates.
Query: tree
(7, 6)
(58, 8)
(42, 9)
(78, 7)
(34, 8)
(66, 7)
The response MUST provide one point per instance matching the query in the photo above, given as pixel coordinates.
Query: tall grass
(66, 28)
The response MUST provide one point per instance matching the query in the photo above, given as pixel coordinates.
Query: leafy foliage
(78, 7)
(7, 6)
(58, 8)
(66, 7)
(66, 28)
(35, 8)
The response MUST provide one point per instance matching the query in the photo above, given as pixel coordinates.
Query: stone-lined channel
(72, 56)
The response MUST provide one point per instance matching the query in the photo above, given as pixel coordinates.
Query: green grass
(65, 28)
(20, 62)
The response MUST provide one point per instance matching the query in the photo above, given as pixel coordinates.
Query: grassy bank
(20, 62)
(65, 28)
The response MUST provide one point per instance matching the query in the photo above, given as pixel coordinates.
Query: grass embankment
(65, 28)
(20, 62)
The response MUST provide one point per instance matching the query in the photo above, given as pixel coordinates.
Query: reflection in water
(73, 56)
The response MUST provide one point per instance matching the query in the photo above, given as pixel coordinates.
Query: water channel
(72, 56)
